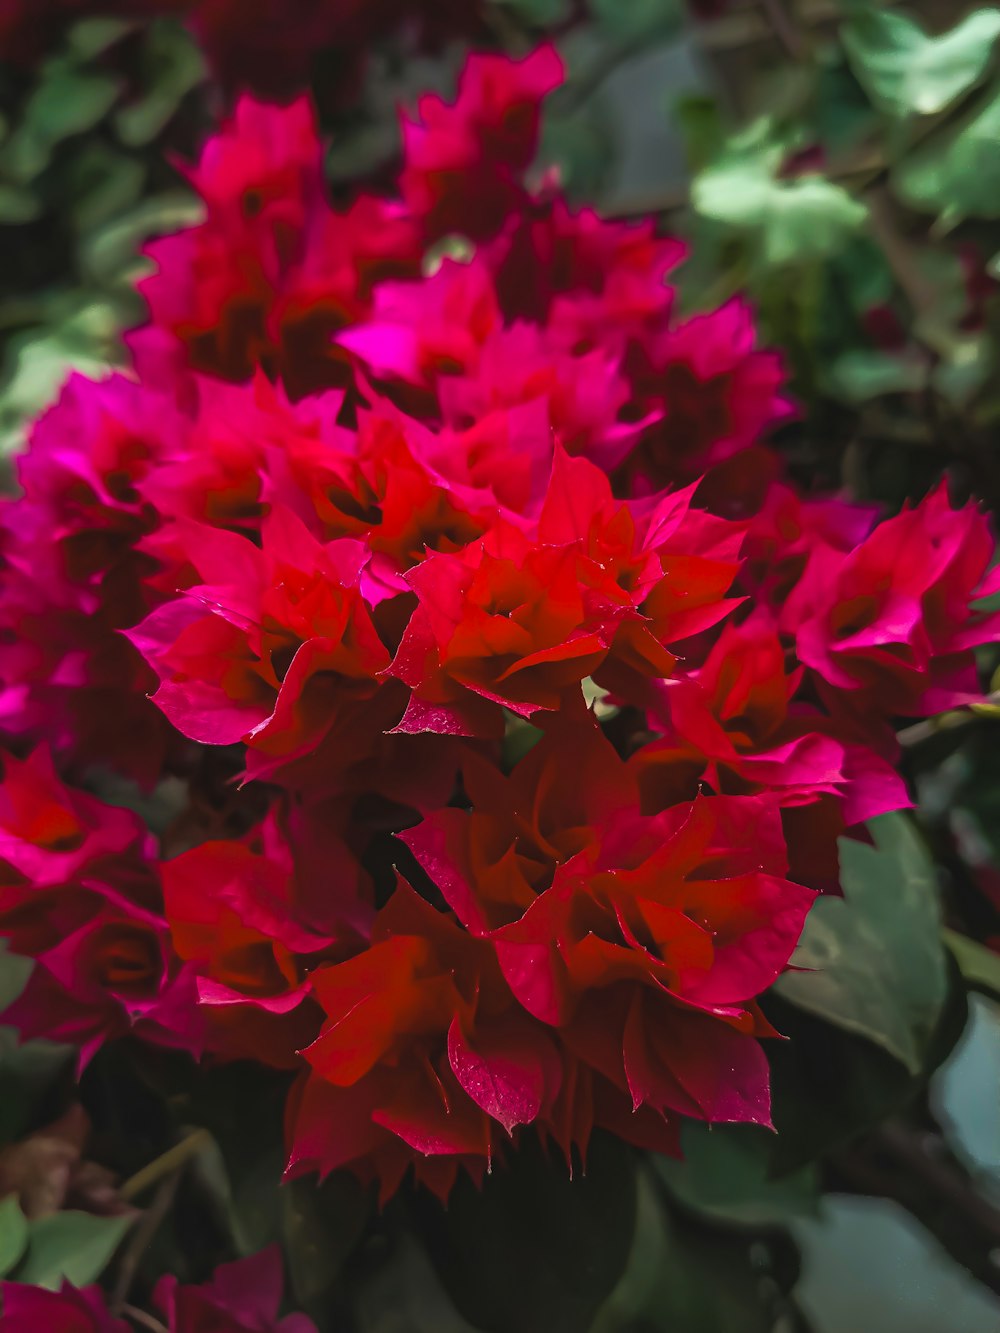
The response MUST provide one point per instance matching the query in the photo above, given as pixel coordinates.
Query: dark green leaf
(322, 1223)
(174, 66)
(538, 13)
(726, 1173)
(535, 1251)
(629, 21)
(69, 100)
(686, 1276)
(18, 204)
(878, 967)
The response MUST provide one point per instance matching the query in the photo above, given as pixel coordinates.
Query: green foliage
(535, 1250)
(13, 1233)
(726, 1173)
(956, 173)
(877, 966)
(905, 72)
(785, 220)
(70, 1246)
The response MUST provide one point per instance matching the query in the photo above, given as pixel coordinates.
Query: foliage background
(841, 163)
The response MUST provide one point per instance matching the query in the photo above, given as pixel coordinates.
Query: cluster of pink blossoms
(243, 1297)
(364, 516)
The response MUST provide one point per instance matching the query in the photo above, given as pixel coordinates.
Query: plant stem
(144, 1319)
(166, 1164)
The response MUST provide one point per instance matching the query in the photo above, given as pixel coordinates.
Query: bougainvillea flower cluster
(501, 697)
(242, 1297)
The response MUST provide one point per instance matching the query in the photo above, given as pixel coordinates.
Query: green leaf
(71, 1246)
(69, 100)
(879, 967)
(726, 1173)
(105, 182)
(956, 173)
(699, 120)
(111, 255)
(863, 373)
(828, 1085)
(802, 218)
(905, 72)
(321, 1225)
(538, 13)
(979, 966)
(685, 1275)
(92, 37)
(174, 66)
(13, 1233)
(18, 204)
(533, 1250)
(631, 21)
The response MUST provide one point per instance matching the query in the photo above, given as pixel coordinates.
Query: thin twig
(169, 1162)
(146, 1320)
(141, 1238)
(783, 28)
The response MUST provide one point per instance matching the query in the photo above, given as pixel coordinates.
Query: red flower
(733, 723)
(465, 163)
(423, 1049)
(641, 941)
(713, 393)
(519, 622)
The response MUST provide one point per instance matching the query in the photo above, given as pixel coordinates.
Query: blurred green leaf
(828, 1085)
(629, 21)
(13, 1233)
(864, 373)
(18, 204)
(979, 966)
(174, 66)
(111, 254)
(538, 13)
(687, 1276)
(532, 1250)
(905, 72)
(69, 100)
(71, 1246)
(879, 967)
(700, 122)
(956, 173)
(321, 1224)
(725, 1172)
(790, 220)
(105, 182)
(93, 36)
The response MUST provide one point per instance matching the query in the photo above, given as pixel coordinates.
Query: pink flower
(29, 1309)
(887, 628)
(714, 395)
(465, 163)
(242, 1297)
